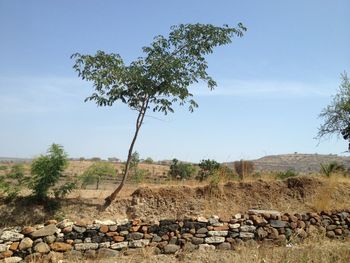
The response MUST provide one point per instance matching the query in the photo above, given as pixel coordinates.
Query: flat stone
(11, 236)
(11, 260)
(260, 212)
(202, 230)
(118, 238)
(45, 231)
(65, 223)
(121, 222)
(139, 243)
(14, 246)
(7, 253)
(50, 239)
(217, 233)
(234, 226)
(86, 246)
(105, 222)
(3, 247)
(171, 249)
(246, 235)
(79, 229)
(214, 240)
(135, 236)
(25, 243)
(42, 248)
(246, 228)
(104, 245)
(60, 247)
(202, 219)
(278, 223)
(119, 245)
(27, 230)
(104, 228)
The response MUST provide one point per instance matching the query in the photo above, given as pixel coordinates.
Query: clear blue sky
(272, 83)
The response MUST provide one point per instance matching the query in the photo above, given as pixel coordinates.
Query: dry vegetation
(166, 198)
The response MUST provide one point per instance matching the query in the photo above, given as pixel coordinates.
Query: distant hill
(14, 160)
(304, 163)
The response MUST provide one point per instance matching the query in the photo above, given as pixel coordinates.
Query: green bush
(207, 168)
(47, 170)
(179, 170)
(97, 172)
(12, 183)
(286, 174)
(330, 168)
(3, 167)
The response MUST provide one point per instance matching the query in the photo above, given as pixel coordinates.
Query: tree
(337, 114)
(157, 80)
(96, 172)
(181, 170)
(47, 170)
(207, 167)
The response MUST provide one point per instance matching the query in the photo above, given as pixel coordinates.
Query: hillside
(304, 163)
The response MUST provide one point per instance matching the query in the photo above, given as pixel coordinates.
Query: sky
(272, 83)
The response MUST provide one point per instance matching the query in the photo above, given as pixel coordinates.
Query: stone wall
(57, 240)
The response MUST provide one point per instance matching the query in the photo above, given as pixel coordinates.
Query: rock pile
(56, 240)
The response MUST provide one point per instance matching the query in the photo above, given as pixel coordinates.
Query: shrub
(286, 174)
(148, 160)
(330, 168)
(96, 172)
(207, 168)
(12, 183)
(47, 171)
(181, 170)
(244, 168)
(3, 167)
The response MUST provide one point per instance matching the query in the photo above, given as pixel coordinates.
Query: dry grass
(317, 250)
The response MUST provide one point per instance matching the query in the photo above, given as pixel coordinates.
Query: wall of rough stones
(57, 240)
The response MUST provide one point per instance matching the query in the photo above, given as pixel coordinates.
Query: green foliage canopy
(337, 114)
(47, 170)
(163, 75)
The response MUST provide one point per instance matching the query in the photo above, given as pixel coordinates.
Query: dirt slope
(299, 194)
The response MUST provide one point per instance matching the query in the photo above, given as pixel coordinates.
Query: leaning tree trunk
(139, 121)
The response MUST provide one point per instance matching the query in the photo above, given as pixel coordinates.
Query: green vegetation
(337, 115)
(97, 172)
(286, 174)
(207, 169)
(157, 80)
(12, 183)
(3, 167)
(180, 170)
(330, 168)
(148, 160)
(47, 171)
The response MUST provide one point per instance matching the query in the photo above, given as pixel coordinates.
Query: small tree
(47, 171)
(207, 168)
(97, 172)
(337, 114)
(157, 80)
(148, 160)
(179, 170)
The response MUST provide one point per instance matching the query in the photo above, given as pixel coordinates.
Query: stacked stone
(106, 238)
